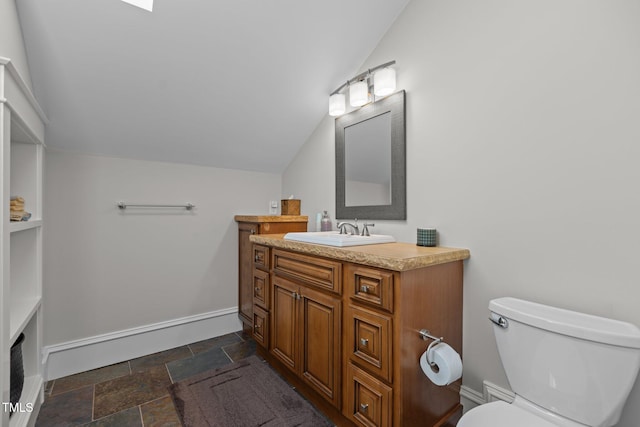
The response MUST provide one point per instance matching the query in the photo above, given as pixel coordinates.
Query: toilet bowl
(567, 369)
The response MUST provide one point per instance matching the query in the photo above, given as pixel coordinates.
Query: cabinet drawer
(261, 288)
(368, 401)
(370, 286)
(369, 336)
(260, 326)
(261, 257)
(314, 271)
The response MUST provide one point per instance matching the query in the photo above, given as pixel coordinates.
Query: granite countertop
(270, 218)
(391, 256)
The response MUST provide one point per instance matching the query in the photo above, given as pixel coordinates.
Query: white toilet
(566, 368)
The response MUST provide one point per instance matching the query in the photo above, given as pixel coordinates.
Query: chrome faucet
(342, 226)
(365, 229)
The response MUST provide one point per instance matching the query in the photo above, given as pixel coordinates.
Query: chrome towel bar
(187, 206)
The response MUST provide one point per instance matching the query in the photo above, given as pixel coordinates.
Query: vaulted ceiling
(228, 83)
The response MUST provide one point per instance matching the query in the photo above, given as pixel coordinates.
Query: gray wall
(11, 42)
(523, 146)
(107, 271)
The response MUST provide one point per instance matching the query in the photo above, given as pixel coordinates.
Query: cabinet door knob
(256, 326)
(257, 289)
(364, 407)
(364, 288)
(253, 231)
(364, 342)
(256, 258)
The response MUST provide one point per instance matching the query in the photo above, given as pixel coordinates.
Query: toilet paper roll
(449, 364)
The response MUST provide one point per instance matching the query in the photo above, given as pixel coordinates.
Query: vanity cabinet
(344, 327)
(306, 322)
(249, 225)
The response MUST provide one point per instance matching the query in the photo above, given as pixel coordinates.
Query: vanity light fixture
(337, 104)
(363, 88)
(358, 93)
(384, 82)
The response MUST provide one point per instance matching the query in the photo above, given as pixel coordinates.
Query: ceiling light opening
(142, 4)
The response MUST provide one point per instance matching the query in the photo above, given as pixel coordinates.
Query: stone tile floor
(134, 393)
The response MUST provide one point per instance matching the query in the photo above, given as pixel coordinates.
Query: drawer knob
(364, 342)
(257, 258)
(256, 326)
(364, 407)
(364, 288)
(253, 231)
(258, 289)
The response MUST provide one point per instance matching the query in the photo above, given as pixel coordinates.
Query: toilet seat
(501, 414)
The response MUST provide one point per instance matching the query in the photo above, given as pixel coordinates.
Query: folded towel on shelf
(17, 203)
(20, 216)
(16, 209)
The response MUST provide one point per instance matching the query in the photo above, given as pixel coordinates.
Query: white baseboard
(474, 397)
(493, 393)
(490, 393)
(94, 352)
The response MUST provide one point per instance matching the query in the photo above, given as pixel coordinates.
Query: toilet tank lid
(567, 322)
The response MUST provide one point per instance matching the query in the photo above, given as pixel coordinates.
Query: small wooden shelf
(22, 311)
(24, 225)
(30, 394)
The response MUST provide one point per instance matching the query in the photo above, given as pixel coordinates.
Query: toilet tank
(579, 366)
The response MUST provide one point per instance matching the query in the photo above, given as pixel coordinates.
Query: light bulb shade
(384, 82)
(358, 93)
(337, 104)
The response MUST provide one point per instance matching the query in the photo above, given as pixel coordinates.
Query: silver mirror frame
(395, 104)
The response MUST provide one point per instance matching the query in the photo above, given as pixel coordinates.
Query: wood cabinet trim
(317, 272)
(369, 401)
(376, 354)
(260, 326)
(261, 288)
(261, 258)
(370, 286)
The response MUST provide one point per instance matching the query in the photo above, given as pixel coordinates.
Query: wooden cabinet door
(260, 326)
(320, 316)
(284, 315)
(245, 272)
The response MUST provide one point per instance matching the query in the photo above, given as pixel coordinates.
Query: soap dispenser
(325, 222)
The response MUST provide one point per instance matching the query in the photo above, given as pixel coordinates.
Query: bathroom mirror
(370, 161)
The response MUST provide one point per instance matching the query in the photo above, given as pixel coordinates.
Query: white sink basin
(334, 238)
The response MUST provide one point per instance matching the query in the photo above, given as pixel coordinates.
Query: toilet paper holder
(435, 340)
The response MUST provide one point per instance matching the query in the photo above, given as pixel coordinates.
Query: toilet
(566, 368)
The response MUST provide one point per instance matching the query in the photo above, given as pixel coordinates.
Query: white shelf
(22, 312)
(24, 225)
(30, 394)
(22, 162)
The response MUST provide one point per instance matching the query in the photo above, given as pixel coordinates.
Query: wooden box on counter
(290, 207)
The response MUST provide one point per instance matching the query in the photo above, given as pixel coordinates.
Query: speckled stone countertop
(392, 256)
(270, 218)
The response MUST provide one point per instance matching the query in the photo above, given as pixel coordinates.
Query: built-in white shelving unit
(21, 157)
